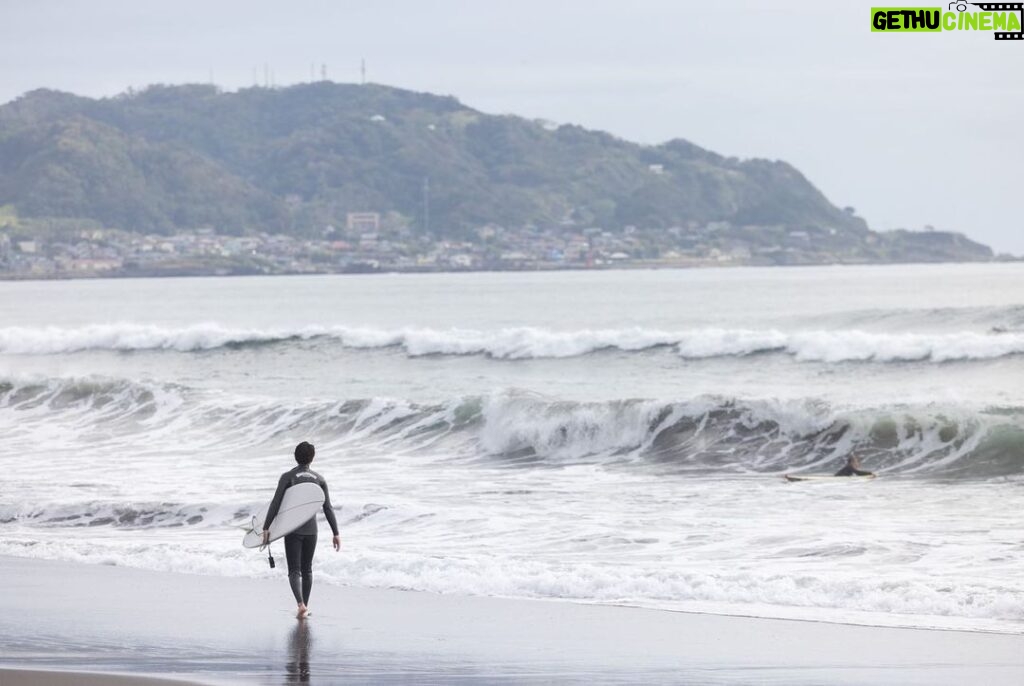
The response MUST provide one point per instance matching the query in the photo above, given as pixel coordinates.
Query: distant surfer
(300, 544)
(852, 468)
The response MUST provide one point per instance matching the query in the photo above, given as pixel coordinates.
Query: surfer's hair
(304, 452)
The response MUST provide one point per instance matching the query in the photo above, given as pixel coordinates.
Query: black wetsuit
(300, 544)
(851, 471)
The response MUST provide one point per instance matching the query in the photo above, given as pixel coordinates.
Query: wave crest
(520, 343)
(707, 434)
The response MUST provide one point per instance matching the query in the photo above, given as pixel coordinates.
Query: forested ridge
(297, 159)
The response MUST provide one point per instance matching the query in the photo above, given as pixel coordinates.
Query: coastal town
(370, 242)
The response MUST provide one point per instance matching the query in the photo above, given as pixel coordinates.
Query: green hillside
(297, 159)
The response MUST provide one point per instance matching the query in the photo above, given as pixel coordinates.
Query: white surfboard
(827, 478)
(300, 502)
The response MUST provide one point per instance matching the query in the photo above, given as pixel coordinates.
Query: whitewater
(531, 343)
(609, 437)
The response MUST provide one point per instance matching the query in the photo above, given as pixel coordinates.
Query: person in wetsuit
(852, 468)
(300, 544)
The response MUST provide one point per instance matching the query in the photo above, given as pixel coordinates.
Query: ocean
(602, 436)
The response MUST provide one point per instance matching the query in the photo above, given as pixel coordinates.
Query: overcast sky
(910, 129)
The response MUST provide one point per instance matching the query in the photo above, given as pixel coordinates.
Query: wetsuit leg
(293, 553)
(308, 548)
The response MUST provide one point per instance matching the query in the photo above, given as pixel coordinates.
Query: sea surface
(613, 437)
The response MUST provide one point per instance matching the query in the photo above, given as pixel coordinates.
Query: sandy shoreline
(42, 677)
(214, 630)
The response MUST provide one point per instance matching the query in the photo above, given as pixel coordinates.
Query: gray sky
(911, 129)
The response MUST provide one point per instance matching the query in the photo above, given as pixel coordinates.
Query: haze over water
(592, 436)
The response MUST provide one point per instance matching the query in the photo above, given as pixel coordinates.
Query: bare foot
(301, 613)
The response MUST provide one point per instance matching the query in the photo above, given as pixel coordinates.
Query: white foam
(522, 421)
(529, 343)
(918, 600)
(706, 433)
(430, 502)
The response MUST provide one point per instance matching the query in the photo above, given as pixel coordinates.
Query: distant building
(488, 231)
(93, 265)
(363, 222)
(368, 241)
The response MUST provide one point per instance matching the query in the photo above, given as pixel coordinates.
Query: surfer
(852, 468)
(300, 544)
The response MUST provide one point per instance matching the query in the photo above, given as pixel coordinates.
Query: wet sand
(215, 630)
(40, 677)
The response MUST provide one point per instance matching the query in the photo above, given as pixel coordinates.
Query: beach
(214, 630)
(581, 488)
(605, 344)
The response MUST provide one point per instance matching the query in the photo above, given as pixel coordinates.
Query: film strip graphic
(1004, 7)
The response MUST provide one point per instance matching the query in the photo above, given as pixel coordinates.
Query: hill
(297, 161)
(299, 158)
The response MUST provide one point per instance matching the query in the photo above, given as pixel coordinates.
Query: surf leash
(264, 546)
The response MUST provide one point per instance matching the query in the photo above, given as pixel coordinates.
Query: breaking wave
(157, 476)
(532, 343)
(702, 435)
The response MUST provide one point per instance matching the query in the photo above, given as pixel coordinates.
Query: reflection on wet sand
(300, 642)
